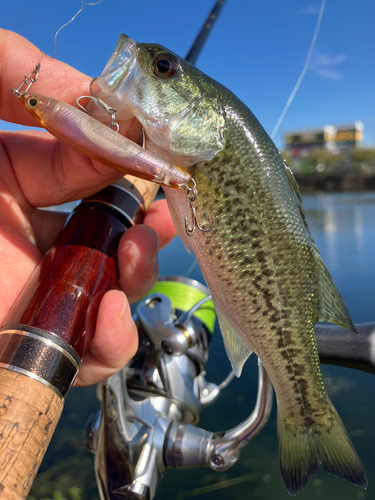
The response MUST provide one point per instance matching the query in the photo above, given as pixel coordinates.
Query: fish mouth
(118, 76)
(120, 65)
(121, 87)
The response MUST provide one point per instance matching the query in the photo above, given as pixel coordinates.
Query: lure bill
(268, 281)
(87, 135)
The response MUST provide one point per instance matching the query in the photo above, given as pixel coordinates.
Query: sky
(257, 49)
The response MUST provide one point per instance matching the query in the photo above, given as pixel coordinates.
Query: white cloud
(328, 61)
(325, 65)
(310, 10)
(328, 73)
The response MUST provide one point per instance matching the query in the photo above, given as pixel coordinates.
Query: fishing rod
(150, 408)
(338, 346)
(202, 36)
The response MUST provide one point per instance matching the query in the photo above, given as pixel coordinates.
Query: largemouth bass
(268, 281)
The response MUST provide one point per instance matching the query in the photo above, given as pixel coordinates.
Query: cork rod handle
(29, 413)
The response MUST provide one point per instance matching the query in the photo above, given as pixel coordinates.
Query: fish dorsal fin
(332, 307)
(291, 179)
(237, 351)
(294, 190)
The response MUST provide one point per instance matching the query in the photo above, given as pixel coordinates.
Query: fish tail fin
(303, 447)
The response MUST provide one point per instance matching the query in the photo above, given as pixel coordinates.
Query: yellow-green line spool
(184, 293)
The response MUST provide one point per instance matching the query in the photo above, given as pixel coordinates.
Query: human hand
(39, 171)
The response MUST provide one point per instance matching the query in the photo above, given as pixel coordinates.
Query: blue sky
(257, 49)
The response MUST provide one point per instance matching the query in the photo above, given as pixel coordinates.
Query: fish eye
(32, 102)
(164, 66)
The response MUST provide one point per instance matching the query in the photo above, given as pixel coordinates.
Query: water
(343, 226)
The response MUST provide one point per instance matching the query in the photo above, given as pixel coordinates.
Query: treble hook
(192, 194)
(111, 111)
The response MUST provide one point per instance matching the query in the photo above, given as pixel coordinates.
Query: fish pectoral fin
(332, 307)
(237, 351)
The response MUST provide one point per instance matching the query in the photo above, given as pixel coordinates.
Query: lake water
(343, 226)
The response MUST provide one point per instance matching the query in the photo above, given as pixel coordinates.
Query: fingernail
(124, 304)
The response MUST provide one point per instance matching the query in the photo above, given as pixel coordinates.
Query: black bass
(268, 281)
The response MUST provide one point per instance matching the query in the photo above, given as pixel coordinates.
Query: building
(335, 138)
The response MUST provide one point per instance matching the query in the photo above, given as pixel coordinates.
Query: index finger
(47, 171)
(18, 58)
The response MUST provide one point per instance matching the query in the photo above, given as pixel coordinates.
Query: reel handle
(49, 328)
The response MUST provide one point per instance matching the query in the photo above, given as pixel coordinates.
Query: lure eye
(164, 66)
(32, 102)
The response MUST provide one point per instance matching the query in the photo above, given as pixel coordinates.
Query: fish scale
(268, 282)
(247, 266)
(268, 312)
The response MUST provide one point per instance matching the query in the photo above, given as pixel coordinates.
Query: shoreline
(310, 183)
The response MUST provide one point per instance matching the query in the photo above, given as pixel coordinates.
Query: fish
(243, 218)
(97, 141)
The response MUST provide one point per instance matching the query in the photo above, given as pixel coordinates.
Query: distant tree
(325, 157)
(317, 160)
(360, 155)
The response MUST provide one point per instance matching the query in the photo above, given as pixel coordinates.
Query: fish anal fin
(237, 351)
(302, 449)
(332, 307)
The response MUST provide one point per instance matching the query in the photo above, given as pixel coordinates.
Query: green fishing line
(184, 297)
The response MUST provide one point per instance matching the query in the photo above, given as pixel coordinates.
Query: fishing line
(191, 268)
(184, 297)
(71, 20)
(33, 76)
(305, 68)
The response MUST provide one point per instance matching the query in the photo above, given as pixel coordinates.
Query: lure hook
(192, 194)
(111, 111)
